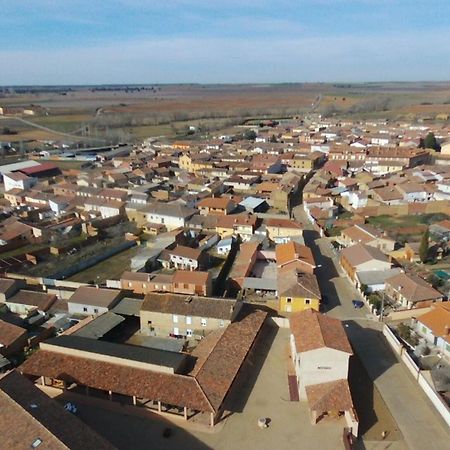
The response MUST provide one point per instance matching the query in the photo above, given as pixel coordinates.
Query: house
(434, 327)
(143, 283)
(185, 315)
(106, 208)
(221, 206)
(367, 235)
(172, 215)
(283, 230)
(87, 300)
(13, 339)
(388, 195)
(414, 192)
(410, 291)
(266, 163)
(17, 180)
(185, 258)
(320, 353)
(25, 302)
(242, 225)
(192, 283)
(363, 258)
(295, 255)
(9, 287)
(31, 419)
(297, 291)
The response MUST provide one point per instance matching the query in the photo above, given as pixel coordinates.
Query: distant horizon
(249, 83)
(94, 42)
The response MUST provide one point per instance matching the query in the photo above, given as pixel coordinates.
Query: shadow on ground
(127, 431)
(247, 376)
(325, 271)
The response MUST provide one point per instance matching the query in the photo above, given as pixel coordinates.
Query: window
(221, 324)
(189, 332)
(85, 308)
(95, 311)
(175, 318)
(144, 285)
(188, 320)
(288, 300)
(185, 285)
(307, 301)
(424, 329)
(129, 284)
(203, 321)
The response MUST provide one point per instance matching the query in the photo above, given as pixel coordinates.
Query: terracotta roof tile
(313, 330)
(331, 396)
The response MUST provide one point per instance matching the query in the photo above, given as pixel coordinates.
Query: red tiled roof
(28, 414)
(41, 168)
(179, 390)
(331, 396)
(221, 367)
(313, 330)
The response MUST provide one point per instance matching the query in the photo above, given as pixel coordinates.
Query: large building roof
(18, 166)
(27, 415)
(121, 351)
(168, 388)
(203, 390)
(220, 368)
(189, 305)
(313, 330)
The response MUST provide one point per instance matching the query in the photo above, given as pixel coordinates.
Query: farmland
(136, 112)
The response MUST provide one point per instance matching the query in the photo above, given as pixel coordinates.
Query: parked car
(357, 304)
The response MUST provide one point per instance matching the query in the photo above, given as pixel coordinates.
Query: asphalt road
(418, 420)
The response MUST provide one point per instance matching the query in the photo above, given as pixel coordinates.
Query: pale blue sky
(216, 41)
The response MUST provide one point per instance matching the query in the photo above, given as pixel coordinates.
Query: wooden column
(159, 406)
(185, 413)
(43, 380)
(212, 420)
(134, 400)
(110, 395)
(87, 391)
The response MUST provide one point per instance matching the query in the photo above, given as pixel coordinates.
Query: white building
(89, 300)
(18, 180)
(320, 353)
(172, 215)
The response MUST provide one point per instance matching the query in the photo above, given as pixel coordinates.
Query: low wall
(408, 314)
(429, 390)
(393, 341)
(435, 398)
